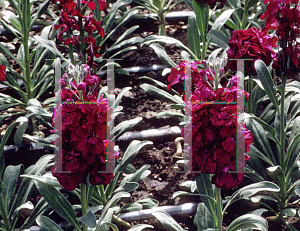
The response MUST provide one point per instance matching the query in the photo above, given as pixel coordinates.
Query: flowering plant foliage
(84, 121)
(214, 126)
(74, 18)
(284, 16)
(177, 75)
(252, 43)
(28, 68)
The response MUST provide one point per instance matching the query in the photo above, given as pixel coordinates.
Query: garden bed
(164, 179)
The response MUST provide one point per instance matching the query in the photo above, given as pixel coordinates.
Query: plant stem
(35, 128)
(102, 193)
(162, 24)
(282, 126)
(254, 8)
(4, 214)
(282, 143)
(26, 53)
(82, 45)
(71, 53)
(219, 208)
(204, 49)
(84, 205)
(245, 16)
(249, 103)
(120, 222)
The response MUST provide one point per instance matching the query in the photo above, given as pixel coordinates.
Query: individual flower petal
(91, 5)
(102, 4)
(2, 73)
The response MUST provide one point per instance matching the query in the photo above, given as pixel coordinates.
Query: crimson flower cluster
(214, 127)
(2, 73)
(84, 123)
(212, 3)
(74, 19)
(252, 43)
(284, 16)
(177, 75)
(214, 134)
(71, 5)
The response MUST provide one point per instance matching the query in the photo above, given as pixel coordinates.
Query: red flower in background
(250, 44)
(284, 16)
(69, 22)
(2, 73)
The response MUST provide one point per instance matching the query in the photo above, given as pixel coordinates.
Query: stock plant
(275, 151)
(213, 159)
(15, 197)
(206, 28)
(210, 212)
(161, 8)
(35, 72)
(100, 201)
(15, 194)
(124, 43)
(85, 161)
(88, 37)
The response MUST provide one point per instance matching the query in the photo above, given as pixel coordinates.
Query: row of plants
(271, 113)
(85, 164)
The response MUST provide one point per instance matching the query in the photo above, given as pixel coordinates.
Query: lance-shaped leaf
(250, 190)
(140, 227)
(267, 81)
(89, 218)
(58, 202)
(219, 38)
(162, 55)
(203, 218)
(41, 9)
(23, 123)
(46, 224)
(10, 179)
(124, 126)
(202, 17)
(168, 40)
(193, 36)
(161, 94)
(248, 221)
(205, 189)
(167, 221)
(6, 52)
(111, 202)
(222, 19)
(50, 45)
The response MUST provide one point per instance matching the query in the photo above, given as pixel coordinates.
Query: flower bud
(224, 62)
(81, 86)
(221, 72)
(205, 64)
(71, 71)
(66, 79)
(84, 70)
